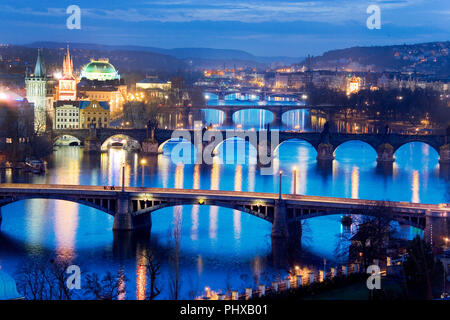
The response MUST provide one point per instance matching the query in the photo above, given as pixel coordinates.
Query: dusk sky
(263, 27)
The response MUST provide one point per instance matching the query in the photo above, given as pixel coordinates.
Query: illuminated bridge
(325, 144)
(132, 206)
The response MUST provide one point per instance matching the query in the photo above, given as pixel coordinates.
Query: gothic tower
(67, 85)
(36, 93)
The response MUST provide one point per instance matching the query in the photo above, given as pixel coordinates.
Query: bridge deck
(221, 195)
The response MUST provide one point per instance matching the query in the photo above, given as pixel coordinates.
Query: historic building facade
(67, 85)
(36, 93)
(94, 112)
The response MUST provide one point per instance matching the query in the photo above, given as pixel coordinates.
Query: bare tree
(44, 279)
(107, 288)
(174, 259)
(152, 267)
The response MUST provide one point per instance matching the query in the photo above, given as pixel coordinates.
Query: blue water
(219, 247)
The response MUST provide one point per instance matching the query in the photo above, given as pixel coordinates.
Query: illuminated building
(100, 70)
(36, 87)
(101, 82)
(153, 83)
(353, 85)
(66, 115)
(94, 112)
(154, 87)
(67, 85)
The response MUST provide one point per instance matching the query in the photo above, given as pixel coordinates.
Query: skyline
(262, 28)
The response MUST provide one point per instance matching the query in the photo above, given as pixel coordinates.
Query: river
(220, 248)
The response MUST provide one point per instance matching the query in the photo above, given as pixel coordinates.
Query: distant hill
(430, 57)
(196, 57)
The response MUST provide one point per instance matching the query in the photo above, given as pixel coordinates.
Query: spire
(39, 69)
(67, 65)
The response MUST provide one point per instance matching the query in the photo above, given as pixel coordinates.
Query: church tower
(36, 93)
(67, 85)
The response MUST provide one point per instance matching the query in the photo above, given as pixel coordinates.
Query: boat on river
(35, 166)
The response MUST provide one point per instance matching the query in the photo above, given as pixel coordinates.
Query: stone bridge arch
(373, 146)
(119, 135)
(147, 207)
(310, 143)
(106, 205)
(434, 144)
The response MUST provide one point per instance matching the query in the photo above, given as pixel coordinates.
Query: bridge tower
(36, 87)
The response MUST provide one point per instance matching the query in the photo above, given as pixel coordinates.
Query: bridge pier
(325, 152)
(150, 146)
(385, 153)
(444, 154)
(228, 118)
(122, 218)
(279, 225)
(277, 119)
(92, 144)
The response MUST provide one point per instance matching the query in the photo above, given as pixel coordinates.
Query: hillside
(195, 57)
(432, 58)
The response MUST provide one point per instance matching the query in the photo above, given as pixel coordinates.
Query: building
(151, 83)
(153, 88)
(100, 81)
(36, 88)
(354, 84)
(67, 85)
(94, 112)
(281, 81)
(114, 94)
(66, 115)
(100, 70)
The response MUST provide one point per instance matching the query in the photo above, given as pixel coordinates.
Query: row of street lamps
(143, 162)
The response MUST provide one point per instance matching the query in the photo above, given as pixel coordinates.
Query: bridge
(260, 93)
(229, 110)
(132, 206)
(325, 144)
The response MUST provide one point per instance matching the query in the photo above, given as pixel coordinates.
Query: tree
(44, 279)
(423, 273)
(370, 240)
(152, 267)
(174, 259)
(110, 287)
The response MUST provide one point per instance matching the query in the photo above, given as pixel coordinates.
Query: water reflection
(213, 241)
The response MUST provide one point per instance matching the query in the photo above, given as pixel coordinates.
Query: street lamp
(123, 177)
(143, 163)
(279, 192)
(295, 179)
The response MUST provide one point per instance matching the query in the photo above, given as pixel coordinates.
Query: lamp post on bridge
(295, 180)
(143, 163)
(123, 177)
(279, 191)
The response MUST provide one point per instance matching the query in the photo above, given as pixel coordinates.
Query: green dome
(99, 70)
